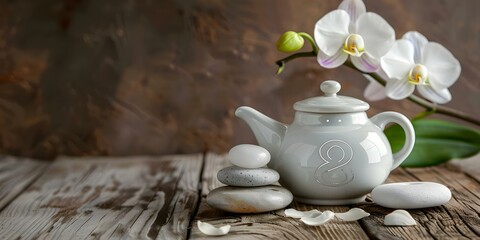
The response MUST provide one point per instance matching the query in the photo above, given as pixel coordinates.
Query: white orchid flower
(413, 61)
(351, 31)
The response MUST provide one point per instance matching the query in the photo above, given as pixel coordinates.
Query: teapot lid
(331, 102)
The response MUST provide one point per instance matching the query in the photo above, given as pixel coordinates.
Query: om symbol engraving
(336, 154)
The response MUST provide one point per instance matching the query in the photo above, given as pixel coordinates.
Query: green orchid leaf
(436, 142)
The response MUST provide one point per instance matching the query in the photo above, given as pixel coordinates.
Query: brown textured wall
(126, 77)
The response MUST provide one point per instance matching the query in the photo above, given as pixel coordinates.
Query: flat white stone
(249, 200)
(247, 177)
(249, 156)
(411, 195)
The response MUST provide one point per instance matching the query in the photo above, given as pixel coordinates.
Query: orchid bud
(290, 42)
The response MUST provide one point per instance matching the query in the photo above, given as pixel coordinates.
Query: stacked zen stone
(250, 188)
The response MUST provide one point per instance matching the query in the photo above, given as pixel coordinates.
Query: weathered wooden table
(163, 197)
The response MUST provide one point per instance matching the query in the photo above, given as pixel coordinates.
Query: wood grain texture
(160, 198)
(458, 219)
(138, 197)
(270, 225)
(17, 174)
(121, 77)
(469, 166)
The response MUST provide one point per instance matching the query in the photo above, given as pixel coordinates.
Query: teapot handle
(381, 121)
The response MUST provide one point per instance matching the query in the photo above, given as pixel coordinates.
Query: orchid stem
(296, 55)
(422, 115)
(281, 63)
(430, 107)
(310, 40)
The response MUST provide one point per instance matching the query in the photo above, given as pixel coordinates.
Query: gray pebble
(247, 177)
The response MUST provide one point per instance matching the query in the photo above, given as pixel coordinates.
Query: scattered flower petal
(399, 218)
(293, 213)
(331, 31)
(210, 230)
(353, 214)
(319, 220)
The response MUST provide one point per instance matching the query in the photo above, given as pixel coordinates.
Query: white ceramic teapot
(331, 154)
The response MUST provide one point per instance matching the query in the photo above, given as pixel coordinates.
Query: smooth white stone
(249, 200)
(249, 156)
(399, 218)
(411, 195)
(247, 177)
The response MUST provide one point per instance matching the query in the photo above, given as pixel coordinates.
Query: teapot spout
(268, 132)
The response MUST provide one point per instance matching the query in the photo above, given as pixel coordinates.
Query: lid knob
(330, 88)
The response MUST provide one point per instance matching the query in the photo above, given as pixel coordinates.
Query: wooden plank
(373, 225)
(136, 197)
(213, 163)
(15, 175)
(470, 166)
(270, 225)
(464, 208)
(458, 219)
